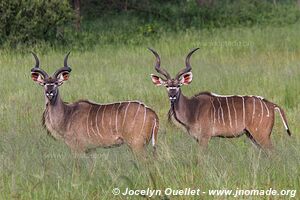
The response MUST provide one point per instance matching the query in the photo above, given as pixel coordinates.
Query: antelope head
(50, 83)
(183, 77)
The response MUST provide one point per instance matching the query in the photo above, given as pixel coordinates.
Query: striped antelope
(207, 115)
(84, 125)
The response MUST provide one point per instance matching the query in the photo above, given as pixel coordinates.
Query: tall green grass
(256, 61)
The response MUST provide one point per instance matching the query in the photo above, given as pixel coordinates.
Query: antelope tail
(154, 133)
(284, 120)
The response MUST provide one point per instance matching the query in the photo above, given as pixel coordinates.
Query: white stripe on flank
(214, 110)
(92, 128)
(244, 114)
(214, 116)
(144, 120)
(235, 117)
(110, 125)
(219, 115)
(262, 112)
(268, 113)
(153, 131)
(211, 116)
(87, 121)
(71, 120)
(117, 118)
(229, 114)
(97, 122)
(124, 118)
(133, 121)
(103, 117)
(253, 113)
(221, 111)
(214, 120)
(285, 125)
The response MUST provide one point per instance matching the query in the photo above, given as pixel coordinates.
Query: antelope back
(104, 124)
(233, 114)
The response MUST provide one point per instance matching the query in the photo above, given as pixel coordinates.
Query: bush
(48, 23)
(180, 14)
(32, 21)
(244, 13)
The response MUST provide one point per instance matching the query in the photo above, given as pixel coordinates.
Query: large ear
(37, 77)
(63, 76)
(157, 80)
(186, 78)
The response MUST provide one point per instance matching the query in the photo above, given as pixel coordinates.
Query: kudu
(84, 125)
(207, 115)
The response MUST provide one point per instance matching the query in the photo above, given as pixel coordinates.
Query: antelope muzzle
(173, 93)
(50, 90)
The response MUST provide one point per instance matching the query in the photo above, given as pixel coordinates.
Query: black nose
(50, 94)
(172, 97)
(173, 93)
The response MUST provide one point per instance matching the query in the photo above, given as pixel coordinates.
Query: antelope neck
(179, 108)
(56, 107)
(54, 117)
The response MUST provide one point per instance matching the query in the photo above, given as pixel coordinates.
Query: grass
(260, 61)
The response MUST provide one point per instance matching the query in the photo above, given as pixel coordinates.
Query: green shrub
(232, 13)
(32, 21)
(41, 23)
(180, 14)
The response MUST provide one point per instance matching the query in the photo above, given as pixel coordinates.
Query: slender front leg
(92, 160)
(203, 141)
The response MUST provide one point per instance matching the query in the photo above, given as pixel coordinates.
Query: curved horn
(37, 68)
(157, 65)
(187, 64)
(66, 59)
(65, 67)
(37, 61)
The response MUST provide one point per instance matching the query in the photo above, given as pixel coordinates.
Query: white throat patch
(173, 88)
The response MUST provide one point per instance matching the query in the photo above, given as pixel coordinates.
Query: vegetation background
(246, 47)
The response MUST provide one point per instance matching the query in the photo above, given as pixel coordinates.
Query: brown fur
(206, 115)
(84, 125)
